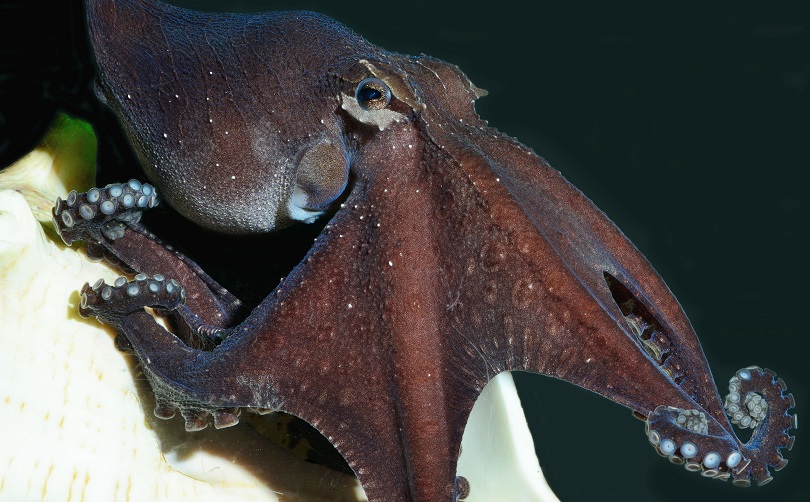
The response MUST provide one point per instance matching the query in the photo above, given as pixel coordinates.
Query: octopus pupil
(368, 93)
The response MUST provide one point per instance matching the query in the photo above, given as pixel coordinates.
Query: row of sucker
(102, 213)
(757, 399)
(109, 302)
(748, 410)
(682, 437)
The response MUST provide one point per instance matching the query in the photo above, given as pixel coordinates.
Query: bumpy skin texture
(457, 253)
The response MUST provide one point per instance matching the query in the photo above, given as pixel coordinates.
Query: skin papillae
(456, 253)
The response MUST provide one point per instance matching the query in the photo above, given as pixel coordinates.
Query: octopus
(452, 253)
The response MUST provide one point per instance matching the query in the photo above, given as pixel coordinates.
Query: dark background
(689, 127)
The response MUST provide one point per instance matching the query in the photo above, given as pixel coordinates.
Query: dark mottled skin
(457, 253)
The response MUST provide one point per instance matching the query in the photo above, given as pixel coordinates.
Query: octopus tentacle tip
(756, 400)
(102, 212)
(111, 303)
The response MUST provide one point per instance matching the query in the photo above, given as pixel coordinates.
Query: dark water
(688, 127)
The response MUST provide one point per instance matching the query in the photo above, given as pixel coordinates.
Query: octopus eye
(372, 94)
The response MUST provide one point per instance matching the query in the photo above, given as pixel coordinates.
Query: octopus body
(452, 253)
